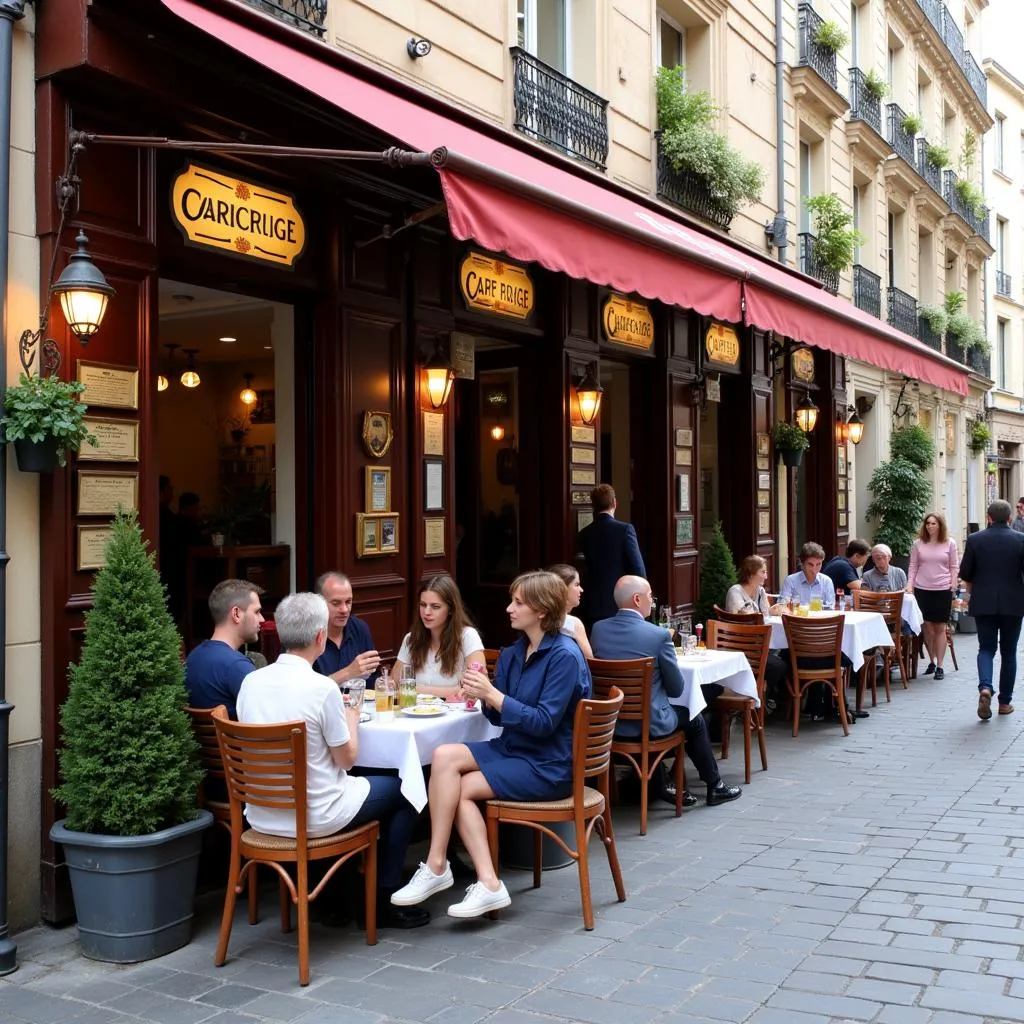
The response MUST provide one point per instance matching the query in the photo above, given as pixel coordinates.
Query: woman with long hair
(749, 596)
(572, 627)
(441, 642)
(537, 684)
(932, 579)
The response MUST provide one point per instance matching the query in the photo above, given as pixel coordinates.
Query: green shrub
(936, 316)
(912, 124)
(913, 444)
(835, 239)
(38, 408)
(875, 85)
(971, 196)
(938, 156)
(790, 438)
(831, 37)
(901, 493)
(717, 575)
(129, 762)
(978, 436)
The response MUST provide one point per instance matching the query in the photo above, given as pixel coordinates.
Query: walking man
(993, 569)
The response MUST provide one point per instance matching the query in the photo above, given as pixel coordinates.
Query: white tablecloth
(861, 632)
(727, 668)
(912, 613)
(409, 743)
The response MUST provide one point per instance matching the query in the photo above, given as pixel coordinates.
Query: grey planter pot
(134, 895)
(791, 458)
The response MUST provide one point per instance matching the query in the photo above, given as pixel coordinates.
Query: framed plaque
(684, 456)
(764, 481)
(377, 433)
(842, 520)
(433, 486)
(682, 492)
(109, 386)
(763, 526)
(92, 544)
(367, 535)
(433, 537)
(684, 437)
(684, 530)
(841, 500)
(583, 456)
(763, 462)
(586, 477)
(433, 433)
(764, 499)
(118, 441)
(100, 494)
(583, 520)
(582, 435)
(389, 534)
(378, 488)
(762, 444)
(580, 498)
(840, 462)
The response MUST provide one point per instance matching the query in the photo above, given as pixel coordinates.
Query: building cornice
(1006, 80)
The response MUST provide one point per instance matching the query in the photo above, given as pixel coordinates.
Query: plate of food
(426, 711)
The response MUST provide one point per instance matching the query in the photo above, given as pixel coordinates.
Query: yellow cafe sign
(721, 346)
(495, 286)
(219, 211)
(627, 322)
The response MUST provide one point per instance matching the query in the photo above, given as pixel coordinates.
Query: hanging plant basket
(37, 457)
(791, 457)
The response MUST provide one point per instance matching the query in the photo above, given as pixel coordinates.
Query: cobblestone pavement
(874, 878)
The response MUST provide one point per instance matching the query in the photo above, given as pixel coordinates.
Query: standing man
(627, 635)
(1017, 522)
(993, 569)
(349, 652)
(842, 571)
(215, 669)
(610, 551)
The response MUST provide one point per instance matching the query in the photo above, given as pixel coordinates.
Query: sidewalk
(874, 878)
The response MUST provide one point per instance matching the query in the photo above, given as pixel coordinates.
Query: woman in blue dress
(538, 682)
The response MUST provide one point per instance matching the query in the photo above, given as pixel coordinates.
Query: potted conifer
(791, 443)
(129, 766)
(717, 575)
(45, 420)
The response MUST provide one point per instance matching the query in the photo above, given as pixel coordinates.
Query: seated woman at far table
(573, 627)
(748, 597)
(441, 643)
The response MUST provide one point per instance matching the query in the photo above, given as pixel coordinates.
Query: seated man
(349, 653)
(290, 690)
(809, 582)
(215, 669)
(628, 635)
(884, 577)
(842, 570)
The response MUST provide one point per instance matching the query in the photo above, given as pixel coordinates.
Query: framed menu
(433, 540)
(433, 433)
(583, 477)
(100, 494)
(92, 544)
(118, 441)
(109, 386)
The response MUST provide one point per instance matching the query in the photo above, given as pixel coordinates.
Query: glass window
(672, 42)
(1002, 351)
(1000, 142)
(854, 32)
(543, 30)
(805, 185)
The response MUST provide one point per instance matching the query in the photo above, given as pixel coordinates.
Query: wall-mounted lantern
(440, 375)
(806, 413)
(588, 395)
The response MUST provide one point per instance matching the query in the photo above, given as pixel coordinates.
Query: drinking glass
(407, 688)
(691, 644)
(815, 604)
(352, 694)
(385, 690)
(802, 610)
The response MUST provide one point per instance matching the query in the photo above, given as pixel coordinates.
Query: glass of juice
(385, 690)
(815, 604)
(407, 687)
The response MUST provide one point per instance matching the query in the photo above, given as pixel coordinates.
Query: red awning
(508, 200)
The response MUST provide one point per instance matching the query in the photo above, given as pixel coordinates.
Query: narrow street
(877, 878)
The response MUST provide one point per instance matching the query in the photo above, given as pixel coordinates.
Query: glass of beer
(385, 690)
(816, 604)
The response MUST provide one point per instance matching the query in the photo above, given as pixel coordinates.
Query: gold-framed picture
(582, 434)
(763, 444)
(92, 544)
(840, 462)
(763, 525)
(108, 386)
(584, 519)
(583, 477)
(378, 488)
(583, 456)
(389, 534)
(367, 535)
(764, 499)
(763, 462)
(841, 500)
(101, 493)
(377, 433)
(842, 520)
(433, 538)
(684, 437)
(684, 456)
(117, 440)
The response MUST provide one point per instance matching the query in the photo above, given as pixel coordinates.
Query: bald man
(628, 634)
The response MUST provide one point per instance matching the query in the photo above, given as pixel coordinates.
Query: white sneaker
(423, 885)
(480, 900)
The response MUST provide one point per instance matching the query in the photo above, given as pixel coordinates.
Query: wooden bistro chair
(819, 639)
(589, 808)
(740, 618)
(890, 607)
(491, 658)
(754, 642)
(265, 766)
(209, 755)
(634, 678)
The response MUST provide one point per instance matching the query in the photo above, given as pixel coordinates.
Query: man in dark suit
(993, 568)
(628, 634)
(610, 550)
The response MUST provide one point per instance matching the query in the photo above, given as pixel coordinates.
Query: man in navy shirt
(215, 669)
(842, 571)
(349, 653)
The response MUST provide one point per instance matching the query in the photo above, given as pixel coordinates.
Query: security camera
(417, 48)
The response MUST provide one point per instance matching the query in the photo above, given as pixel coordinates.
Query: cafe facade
(460, 335)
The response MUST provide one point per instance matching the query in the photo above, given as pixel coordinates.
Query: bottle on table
(699, 630)
(840, 601)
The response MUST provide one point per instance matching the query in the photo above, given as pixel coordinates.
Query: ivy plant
(43, 408)
(831, 37)
(686, 122)
(836, 239)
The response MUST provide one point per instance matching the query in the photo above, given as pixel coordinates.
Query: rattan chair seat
(591, 798)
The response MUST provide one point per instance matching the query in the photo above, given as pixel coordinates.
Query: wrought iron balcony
(928, 170)
(951, 35)
(900, 140)
(690, 191)
(867, 290)
(1004, 283)
(902, 311)
(946, 29)
(932, 12)
(811, 265)
(977, 220)
(930, 337)
(974, 357)
(554, 109)
(864, 106)
(310, 15)
(812, 54)
(976, 78)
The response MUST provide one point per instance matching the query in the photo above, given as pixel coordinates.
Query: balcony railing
(932, 11)
(811, 265)
(813, 55)
(902, 312)
(864, 106)
(930, 337)
(928, 170)
(951, 35)
(867, 290)
(942, 21)
(1004, 283)
(310, 15)
(689, 191)
(977, 221)
(554, 109)
(900, 140)
(974, 358)
(976, 78)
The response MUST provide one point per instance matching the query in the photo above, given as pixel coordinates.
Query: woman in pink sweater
(932, 577)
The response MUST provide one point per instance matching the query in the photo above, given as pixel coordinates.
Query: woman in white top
(748, 596)
(572, 627)
(441, 642)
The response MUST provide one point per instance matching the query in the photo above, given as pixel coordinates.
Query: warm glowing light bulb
(190, 379)
(498, 432)
(162, 383)
(248, 396)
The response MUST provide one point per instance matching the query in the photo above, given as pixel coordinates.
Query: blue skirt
(512, 777)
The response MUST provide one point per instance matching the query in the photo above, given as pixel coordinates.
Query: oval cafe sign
(239, 217)
(495, 286)
(627, 322)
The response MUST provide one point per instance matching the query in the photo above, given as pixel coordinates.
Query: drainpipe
(780, 136)
(10, 12)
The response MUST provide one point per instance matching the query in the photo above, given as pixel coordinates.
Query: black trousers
(698, 746)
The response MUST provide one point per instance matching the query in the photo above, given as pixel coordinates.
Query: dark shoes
(930, 669)
(939, 674)
(852, 713)
(390, 916)
(985, 705)
(720, 793)
(668, 794)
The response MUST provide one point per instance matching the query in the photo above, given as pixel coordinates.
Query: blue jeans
(397, 818)
(1006, 630)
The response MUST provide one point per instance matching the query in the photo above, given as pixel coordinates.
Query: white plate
(365, 716)
(425, 711)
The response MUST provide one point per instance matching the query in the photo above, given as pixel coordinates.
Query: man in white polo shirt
(291, 690)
